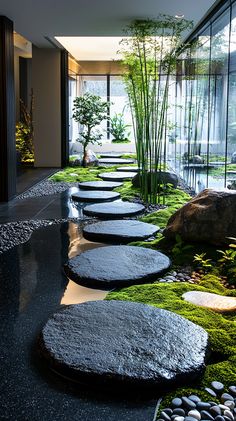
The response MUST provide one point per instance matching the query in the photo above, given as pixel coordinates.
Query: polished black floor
(29, 176)
(32, 287)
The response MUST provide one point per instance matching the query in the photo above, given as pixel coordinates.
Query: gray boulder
(233, 158)
(164, 177)
(209, 217)
(197, 159)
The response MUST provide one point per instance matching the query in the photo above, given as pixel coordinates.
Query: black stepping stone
(121, 344)
(115, 176)
(95, 196)
(110, 155)
(128, 169)
(119, 231)
(114, 161)
(115, 210)
(112, 266)
(99, 185)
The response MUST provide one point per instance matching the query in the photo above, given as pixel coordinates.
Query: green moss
(127, 191)
(220, 328)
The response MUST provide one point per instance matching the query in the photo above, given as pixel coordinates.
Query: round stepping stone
(114, 161)
(112, 266)
(114, 210)
(218, 303)
(123, 344)
(95, 196)
(99, 185)
(115, 176)
(127, 169)
(111, 155)
(119, 231)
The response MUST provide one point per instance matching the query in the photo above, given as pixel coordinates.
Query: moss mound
(221, 328)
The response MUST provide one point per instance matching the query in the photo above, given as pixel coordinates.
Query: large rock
(233, 158)
(209, 217)
(164, 177)
(123, 344)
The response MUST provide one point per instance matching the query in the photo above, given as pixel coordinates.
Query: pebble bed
(183, 274)
(192, 408)
(46, 188)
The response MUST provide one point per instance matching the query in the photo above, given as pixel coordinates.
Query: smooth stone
(188, 403)
(232, 389)
(218, 386)
(230, 404)
(95, 196)
(203, 405)
(132, 169)
(194, 398)
(162, 177)
(226, 397)
(218, 303)
(123, 344)
(213, 403)
(119, 231)
(206, 415)
(210, 391)
(110, 155)
(176, 402)
(179, 411)
(99, 185)
(174, 416)
(228, 413)
(114, 176)
(114, 161)
(194, 414)
(165, 416)
(228, 418)
(219, 418)
(167, 411)
(115, 210)
(179, 418)
(190, 418)
(223, 406)
(215, 410)
(113, 266)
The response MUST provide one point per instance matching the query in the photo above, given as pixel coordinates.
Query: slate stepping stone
(117, 176)
(128, 169)
(112, 266)
(99, 185)
(95, 196)
(123, 344)
(114, 161)
(119, 231)
(115, 210)
(110, 155)
(218, 303)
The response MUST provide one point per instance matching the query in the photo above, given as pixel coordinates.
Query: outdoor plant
(89, 111)
(204, 263)
(118, 129)
(25, 132)
(149, 56)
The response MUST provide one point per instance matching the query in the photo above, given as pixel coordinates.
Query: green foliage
(89, 111)
(118, 129)
(220, 328)
(202, 261)
(25, 132)
(181, 250)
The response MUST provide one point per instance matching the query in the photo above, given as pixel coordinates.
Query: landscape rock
(218, 303)
(164, 177)
(123, 344)
(209, 217)
(233, 158)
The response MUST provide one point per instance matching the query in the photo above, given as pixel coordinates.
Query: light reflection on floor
(74, 293)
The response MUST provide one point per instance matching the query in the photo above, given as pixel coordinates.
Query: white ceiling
(37, 19)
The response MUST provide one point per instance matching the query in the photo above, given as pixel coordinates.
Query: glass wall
(205, 106)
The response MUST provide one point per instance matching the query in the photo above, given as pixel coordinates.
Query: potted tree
(89, 111)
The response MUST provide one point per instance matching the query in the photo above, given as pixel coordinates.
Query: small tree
(89, 111)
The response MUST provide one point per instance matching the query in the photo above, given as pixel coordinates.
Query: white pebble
(195, 414)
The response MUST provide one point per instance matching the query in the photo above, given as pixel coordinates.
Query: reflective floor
(33, 286)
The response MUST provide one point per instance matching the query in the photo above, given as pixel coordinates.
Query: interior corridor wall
(46, 84)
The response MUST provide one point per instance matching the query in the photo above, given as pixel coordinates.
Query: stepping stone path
(117, 176)
(114, 210)
(113, 266)
(119, 232)
(218, 303)
(114, 161)
(95, 196)
(110, 155)
(123, 344)
(127, 169)
(99, 185)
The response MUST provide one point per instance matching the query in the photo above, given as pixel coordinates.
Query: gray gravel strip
(46, 188)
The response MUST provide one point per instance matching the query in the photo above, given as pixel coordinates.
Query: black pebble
(167, 411)
(219, 418)
(179, 411)
(177, 402)
(189, 419)
(165, 417)
(232, 389)
(226, 397)
(188, 403)
(210, 391)
(194, 398)
(203, 406)
(215, 410)
(206, 415)
(218, 386)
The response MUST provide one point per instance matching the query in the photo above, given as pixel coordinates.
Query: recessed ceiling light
(179, 16)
